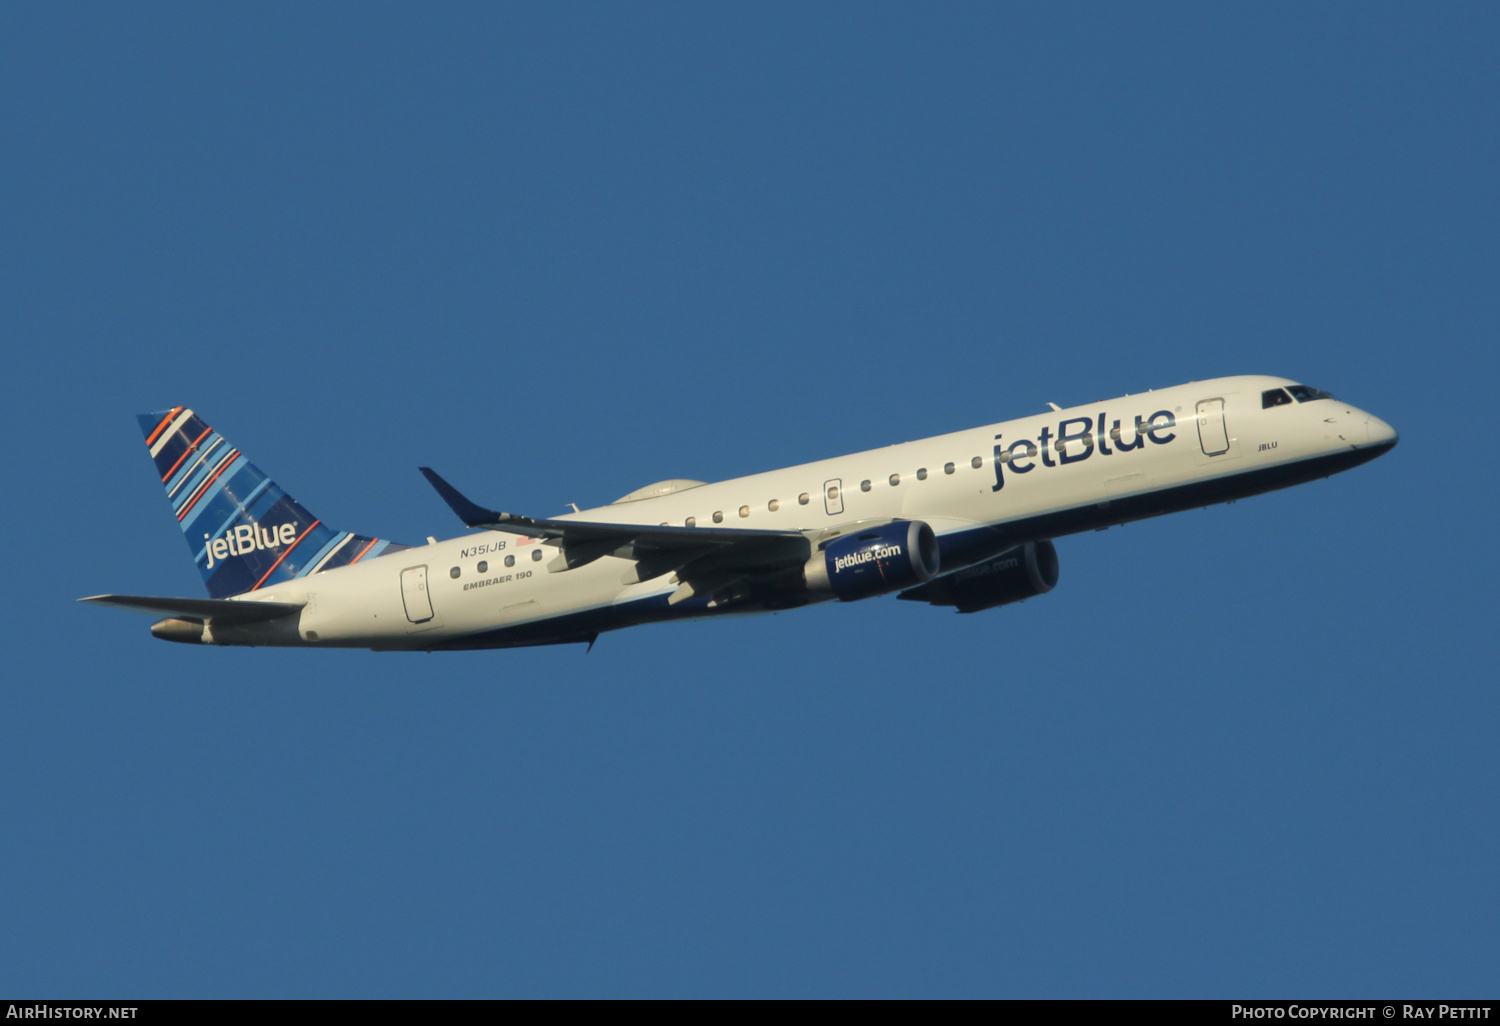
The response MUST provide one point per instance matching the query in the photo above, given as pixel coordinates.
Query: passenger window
(453, 573)
(947, 468)
(718, 516)
(690, 522)
(895, 480)
(802, 499)
(744, 511)
(977, 462)
(921, 473)
(833, 494)
(484, 567)
(536, 554)
(773, 505)
(510, 560)
(864, 486)
(1274, 397)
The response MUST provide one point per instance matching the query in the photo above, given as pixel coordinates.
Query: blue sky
(559, 253)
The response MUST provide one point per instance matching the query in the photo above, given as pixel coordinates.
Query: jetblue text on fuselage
(1019, 453)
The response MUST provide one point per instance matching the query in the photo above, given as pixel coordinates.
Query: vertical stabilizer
(244, 531)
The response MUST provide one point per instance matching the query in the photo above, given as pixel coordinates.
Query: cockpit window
(1274, 397)
(1303, 394)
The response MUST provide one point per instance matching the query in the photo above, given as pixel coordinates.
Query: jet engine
(874, 561)
(1013, 576)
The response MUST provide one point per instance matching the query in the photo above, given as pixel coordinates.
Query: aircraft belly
(504, 609)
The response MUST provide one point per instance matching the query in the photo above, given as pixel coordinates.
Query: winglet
(471, 514)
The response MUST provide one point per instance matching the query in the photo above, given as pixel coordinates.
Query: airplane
(963, 520)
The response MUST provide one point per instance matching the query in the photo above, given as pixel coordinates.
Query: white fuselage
(980, 490)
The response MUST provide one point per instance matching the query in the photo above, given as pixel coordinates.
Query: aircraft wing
(655, 548)
(217, 610)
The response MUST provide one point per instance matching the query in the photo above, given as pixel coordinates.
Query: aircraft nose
(1382, 435)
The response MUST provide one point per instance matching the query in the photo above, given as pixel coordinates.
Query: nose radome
(1382, 433)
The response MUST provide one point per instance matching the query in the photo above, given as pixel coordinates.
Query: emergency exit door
(833, 496)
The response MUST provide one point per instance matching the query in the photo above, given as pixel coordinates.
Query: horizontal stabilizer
(224, 611)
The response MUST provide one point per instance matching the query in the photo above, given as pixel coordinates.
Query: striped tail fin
(244, 531)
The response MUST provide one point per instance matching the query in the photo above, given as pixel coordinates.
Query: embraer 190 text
(964, 520)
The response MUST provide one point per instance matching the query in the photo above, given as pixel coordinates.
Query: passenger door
(1213, 435)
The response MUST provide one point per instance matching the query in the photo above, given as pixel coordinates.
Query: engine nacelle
(1012, 576)
(874, 561)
